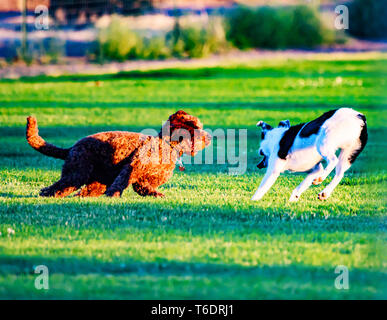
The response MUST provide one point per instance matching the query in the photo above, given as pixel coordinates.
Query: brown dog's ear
(193, 122)
(181, 112)
(177, 115)
(185, 120)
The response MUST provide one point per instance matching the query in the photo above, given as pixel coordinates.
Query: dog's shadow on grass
(19, 196)
(227, 281)
(121, 216)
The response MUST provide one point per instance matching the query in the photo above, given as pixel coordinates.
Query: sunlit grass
(205, 239)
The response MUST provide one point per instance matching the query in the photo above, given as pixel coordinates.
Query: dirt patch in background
(360, 50)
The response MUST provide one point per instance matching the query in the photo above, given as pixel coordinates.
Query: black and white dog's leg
(342, 166)
(305, 184)
(275, 168)
(329, 156)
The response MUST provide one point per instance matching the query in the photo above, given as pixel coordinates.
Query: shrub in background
(306, 29)
(155, 48)
(42, 51)
(216, 35)
(241, 28)
(265, 27)
(117, 42)
(276, 28)
(198, 41)
(194, 41)
(53, 50)
(368, 19)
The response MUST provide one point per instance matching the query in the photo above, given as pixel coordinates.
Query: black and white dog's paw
(323, 196)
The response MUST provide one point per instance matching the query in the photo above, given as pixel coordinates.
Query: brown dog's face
(188, 131)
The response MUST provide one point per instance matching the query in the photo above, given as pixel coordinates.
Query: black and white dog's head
(270, 138)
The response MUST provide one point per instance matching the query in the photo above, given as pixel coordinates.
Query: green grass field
(205, 239)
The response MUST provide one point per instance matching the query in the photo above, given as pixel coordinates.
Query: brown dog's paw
(317, 181)
(46, 192)
(322, 196)
(157, 194)
(113, 194)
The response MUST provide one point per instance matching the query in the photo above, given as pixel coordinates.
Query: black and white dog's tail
(363, 139)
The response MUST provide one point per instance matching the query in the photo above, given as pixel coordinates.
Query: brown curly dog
(107, 162)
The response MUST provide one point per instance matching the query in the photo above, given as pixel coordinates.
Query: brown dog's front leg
(120, 183)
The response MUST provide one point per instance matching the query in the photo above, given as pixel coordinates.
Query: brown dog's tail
(36, 141)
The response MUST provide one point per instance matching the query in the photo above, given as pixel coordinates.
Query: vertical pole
(176, 31)
(24, 28)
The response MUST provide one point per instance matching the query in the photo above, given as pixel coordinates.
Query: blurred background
(35, 33)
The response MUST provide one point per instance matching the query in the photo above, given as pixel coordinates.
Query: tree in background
(367, 19)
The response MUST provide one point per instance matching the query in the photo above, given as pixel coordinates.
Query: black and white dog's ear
(284, 123)
(264, 125)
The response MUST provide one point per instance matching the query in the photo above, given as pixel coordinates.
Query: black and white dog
(302, 147)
